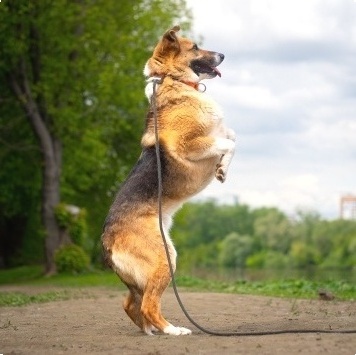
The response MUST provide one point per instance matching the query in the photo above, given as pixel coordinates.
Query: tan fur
(196, 147)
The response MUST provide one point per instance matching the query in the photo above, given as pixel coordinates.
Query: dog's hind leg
(222, 167)
(132, 306)
(151, 304)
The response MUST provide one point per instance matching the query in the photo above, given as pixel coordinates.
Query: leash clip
(201, 87)
(157, 80)
(152, 82)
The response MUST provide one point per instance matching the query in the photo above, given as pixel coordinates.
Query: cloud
(288, 89)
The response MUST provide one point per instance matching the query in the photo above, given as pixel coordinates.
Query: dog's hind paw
(172, 330)
(220, 174)
(150, 329)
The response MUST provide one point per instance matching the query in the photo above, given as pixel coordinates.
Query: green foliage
(20, 274)
(336, 242)
(295, 288)
(15, 299)
(205, 222)
(235, 249)
(299, 288)
(64, 216)
(19, 185)
(83, 64)
(33, 275)
(273, 230)
(257, 260)
(204, 255)
(71, 258)
(78, 230)
(209, 234)
(268, 259)
(72, 221)
(304, 255)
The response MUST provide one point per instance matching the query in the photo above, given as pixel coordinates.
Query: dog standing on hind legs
(195, 147)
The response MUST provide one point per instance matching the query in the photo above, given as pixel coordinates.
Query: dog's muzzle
(207, 65)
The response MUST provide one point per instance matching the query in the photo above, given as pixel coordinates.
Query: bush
(71, 258)
(268, 259)
(235, 249)
(304, 255)
(257, 260)
(73, 220)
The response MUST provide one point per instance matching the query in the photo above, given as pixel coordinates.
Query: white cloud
(305, 183)
(255, 96)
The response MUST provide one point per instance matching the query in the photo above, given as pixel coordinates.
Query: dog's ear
(167, 46)
(170, 35)
(170, 40)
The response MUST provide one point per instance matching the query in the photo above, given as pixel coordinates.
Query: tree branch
(35, 59)
(23, 93)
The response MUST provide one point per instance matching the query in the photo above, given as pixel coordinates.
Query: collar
(197, 86)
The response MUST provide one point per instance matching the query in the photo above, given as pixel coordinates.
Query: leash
(156, 81)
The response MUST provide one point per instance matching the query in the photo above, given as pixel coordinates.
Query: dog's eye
(195, 47)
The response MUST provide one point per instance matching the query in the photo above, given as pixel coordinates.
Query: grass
(32, 275)
(300, 288)
(69, 284)
(21, 299)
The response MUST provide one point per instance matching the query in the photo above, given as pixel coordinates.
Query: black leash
(156, 81)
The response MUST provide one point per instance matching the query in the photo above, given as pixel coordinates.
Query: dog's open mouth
(202, 67)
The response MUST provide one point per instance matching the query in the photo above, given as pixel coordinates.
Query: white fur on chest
(211, 112)
(208, 106)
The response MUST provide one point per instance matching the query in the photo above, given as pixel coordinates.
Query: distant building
(348, 207)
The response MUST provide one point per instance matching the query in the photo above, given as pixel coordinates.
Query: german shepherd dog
(194, 146)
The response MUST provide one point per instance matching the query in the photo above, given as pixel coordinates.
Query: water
(312, 274)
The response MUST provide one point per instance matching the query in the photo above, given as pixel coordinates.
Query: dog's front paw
(172, 330)
(230, 134)
(220, 173)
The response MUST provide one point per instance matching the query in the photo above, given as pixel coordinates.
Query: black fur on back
(140, 186)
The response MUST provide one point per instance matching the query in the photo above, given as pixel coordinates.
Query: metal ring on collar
(201, 87)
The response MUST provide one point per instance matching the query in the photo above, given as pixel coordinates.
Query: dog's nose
(221, 56)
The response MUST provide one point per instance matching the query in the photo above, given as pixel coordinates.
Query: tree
(206, 222)
(235, 249)
(306, 222)
(304, 255)
(19, 186)
(273, 229)
(335, 240)
(73, 74)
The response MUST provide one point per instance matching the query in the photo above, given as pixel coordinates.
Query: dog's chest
(209, 108)
(211, 114)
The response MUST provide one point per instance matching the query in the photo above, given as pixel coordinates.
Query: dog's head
(182, 59)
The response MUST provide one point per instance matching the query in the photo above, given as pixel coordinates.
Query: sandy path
(95, 323)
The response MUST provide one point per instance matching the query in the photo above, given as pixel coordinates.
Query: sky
(288, 89)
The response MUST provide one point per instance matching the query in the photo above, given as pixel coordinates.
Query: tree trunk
(50, 199)
(51, 150)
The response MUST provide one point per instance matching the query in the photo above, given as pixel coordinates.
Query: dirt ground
(93, 322)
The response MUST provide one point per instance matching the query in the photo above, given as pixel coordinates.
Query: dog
(195, 147)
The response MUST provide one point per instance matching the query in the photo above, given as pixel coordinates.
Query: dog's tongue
(216, 70)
